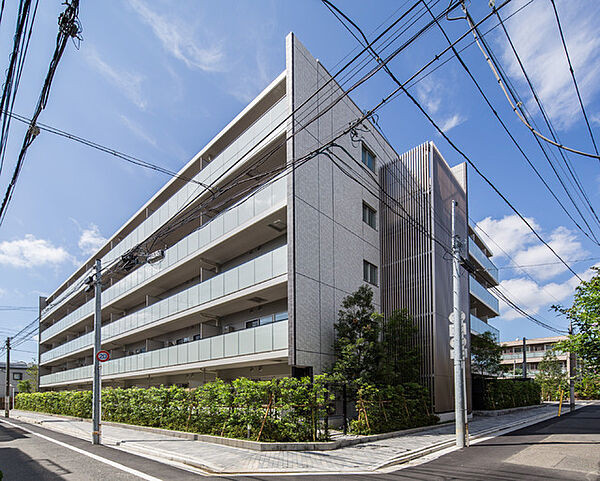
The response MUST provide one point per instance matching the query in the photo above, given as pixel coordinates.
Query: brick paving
(226, 459)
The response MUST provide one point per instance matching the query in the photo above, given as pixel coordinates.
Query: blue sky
(159, 79)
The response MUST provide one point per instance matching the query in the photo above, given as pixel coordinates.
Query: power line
(515, 109)
(564, 43)
(68, 28)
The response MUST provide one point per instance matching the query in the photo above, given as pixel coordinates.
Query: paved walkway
(225, 459)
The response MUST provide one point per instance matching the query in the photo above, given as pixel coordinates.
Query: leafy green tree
(585, 316)
(356, 345)
(486, 354)
(30, 384)
(401, 357)
(551, 377)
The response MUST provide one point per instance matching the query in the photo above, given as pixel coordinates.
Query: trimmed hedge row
(392, 408)
(509, 393)
(284, 409)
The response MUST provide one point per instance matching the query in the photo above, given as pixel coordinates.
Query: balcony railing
(531, 355)
(271, 337)
(225, 160)
(258, 270)
(219, 227)
(483, 260)
(479, 327)
(484, 295)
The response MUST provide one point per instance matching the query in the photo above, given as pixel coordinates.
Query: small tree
(585, 316)
(551, 377)
(401, 357)
(356, 344)
(485, 354)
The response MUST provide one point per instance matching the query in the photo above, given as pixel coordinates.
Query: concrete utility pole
(7, 392)
(96, 408)
(459, 381)
(572, 374)
(524, 359)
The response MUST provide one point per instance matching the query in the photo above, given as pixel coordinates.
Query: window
(281, 316)
(197, 337)
(252, 323)
(368, 158)
(370, 273)
(369, 216)
(18, 376)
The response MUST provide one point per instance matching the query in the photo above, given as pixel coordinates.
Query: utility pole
(524, 359)
(7, 392)
(459, 381)
(96, 408)
(572, 373)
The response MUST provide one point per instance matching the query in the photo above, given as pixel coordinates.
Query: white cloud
(534, 32)
(31, 252)
(452, 122)
(430, 93)
(91, 240)
(180, 40)
(511, 236)
(129, 83)
(138, 131)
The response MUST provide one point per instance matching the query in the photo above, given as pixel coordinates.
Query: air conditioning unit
(227, 329)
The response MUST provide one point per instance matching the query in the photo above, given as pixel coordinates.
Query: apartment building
(238, 266)
(535, 349)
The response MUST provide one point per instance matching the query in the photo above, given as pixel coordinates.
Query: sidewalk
(222, 459)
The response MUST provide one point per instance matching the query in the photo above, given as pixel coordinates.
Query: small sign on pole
(103, 356)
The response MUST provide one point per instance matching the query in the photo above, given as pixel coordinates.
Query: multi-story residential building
(238, 266)
(484, 275)
(512, 354)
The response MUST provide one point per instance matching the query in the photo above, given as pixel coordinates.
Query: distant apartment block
(238, 266)
(512, 354)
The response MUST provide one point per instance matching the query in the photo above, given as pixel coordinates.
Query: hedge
(285, 409)
(392, 408)
(509, 393)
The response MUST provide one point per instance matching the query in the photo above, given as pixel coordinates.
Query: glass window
(369, 273)
(281, 316)
(17, 376)
(368, 158)
(266, 320)
(369, 215)
(252, 323)
(197, 337)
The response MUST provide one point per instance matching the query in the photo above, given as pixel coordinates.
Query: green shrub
(588, 387)
(392, 408)
(279, 410)
(510, 393)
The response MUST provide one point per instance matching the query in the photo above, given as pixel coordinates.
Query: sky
(159, 79)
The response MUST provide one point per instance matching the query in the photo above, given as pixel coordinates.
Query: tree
(585, 316)
(551, 377)
(29, 385)
(356, 344)
(401, 357)
(486, 354)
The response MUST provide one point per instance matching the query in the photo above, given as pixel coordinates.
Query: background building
(238, 266)
(512, 354)
(18, 372)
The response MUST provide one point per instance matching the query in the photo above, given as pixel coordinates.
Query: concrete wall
(327, 238)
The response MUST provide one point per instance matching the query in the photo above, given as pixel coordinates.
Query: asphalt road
(565, 448)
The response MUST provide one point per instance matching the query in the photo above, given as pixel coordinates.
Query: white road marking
(114, 464)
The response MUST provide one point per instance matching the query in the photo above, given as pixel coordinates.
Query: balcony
(214, 170)
(185, 357)
(187, 303)
(485, 301)
(479, 327)
(198, 242)
(488, 270)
